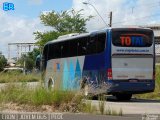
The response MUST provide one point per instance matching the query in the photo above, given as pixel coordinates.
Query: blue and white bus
(117, 61)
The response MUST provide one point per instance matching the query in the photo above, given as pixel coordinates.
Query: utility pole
(86, 3)
(110, 19)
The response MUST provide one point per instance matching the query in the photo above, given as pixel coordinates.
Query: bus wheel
(50, 84)
(122, 97)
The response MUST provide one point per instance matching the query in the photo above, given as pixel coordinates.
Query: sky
(19, 24)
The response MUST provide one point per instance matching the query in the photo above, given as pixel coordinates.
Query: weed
(40, 96)
(60, 100)
(87, 107)
(120, 112)
(156, 93)
(102, 104)
(14, 77)
(113, 112)
(108, 111)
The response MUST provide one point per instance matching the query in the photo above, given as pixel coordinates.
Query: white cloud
(17, 30)
(125, 12)
(35, 2)
(2, 1)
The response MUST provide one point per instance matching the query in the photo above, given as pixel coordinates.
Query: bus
(116, 61)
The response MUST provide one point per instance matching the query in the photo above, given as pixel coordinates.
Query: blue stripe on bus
(108, 50)
(94, 62)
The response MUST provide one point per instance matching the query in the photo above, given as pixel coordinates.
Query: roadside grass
(62, 101)
(18, 77)
(114, 112)
(89, 108)
(101, 100)
(36, 97)
(107, 110)
(156, 94)
(65, 101)
(101, 109)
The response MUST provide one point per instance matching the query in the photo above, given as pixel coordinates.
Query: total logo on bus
(132, 40)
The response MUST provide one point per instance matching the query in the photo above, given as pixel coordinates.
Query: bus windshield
(132, 38)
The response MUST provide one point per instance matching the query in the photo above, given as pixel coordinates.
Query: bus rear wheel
(122, 97)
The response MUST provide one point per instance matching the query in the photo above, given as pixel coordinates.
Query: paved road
(101, 117)
(63, 116)
(135, 106)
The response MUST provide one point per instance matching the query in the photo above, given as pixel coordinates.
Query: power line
(86, 3)
(149, 4)
(138, 9)
(137, 18)
(132, 8)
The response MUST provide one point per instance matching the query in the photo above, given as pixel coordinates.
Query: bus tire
(122, 97)
(50, 84)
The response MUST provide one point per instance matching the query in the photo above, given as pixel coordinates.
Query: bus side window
(82, 47)
(65, 49)
(56, 52)
(100, 43)
(91, 45)
(96, 43)
(50, 54)
(73, 48)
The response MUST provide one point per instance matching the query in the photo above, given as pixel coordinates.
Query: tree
(3, 62)
(62, 23)
(33, 54)
(29, 59)
(45, 37)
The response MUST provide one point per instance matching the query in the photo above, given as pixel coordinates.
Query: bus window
(123, 38)
(82, 47)
(56, 51)
(100, 46)
(91, 45)
(73, 48)
(96, 43)
(78, 47)
(65, 49)
(50, 54)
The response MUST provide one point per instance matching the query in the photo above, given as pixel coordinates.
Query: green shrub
(18, 77)
(156, 93)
